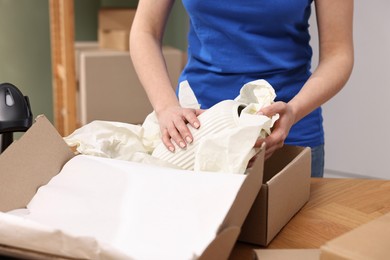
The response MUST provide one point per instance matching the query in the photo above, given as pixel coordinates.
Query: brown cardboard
(285, 189)
(114, 39)
(288, 254)
(115, 18)
(29, 163)
(114, 28)
(40, 154)
(368, 241)
(109, 88)
(217, 248)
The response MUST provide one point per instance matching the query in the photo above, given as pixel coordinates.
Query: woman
(233, 42)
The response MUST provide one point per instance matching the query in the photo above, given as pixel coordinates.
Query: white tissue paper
(101, 208)
(223, 143)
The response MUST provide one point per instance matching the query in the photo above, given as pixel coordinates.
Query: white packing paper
(101, 208)
(143, 143)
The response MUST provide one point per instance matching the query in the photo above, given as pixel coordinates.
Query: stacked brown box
(101, 71)
(114, 28)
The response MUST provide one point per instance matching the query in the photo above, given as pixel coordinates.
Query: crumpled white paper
(226, 151)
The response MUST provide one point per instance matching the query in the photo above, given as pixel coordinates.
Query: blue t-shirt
(233, 42)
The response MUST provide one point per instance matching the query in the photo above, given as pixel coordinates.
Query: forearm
(335, 22)
(326, 81)
(146, 52)
(150, 66)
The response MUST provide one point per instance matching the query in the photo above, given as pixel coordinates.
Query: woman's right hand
(173, 122)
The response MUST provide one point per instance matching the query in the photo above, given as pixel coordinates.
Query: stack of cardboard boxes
(108, 86)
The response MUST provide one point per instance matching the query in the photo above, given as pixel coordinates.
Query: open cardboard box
(40, 154)
(285, 189)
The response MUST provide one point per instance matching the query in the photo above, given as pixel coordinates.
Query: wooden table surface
(335, 207)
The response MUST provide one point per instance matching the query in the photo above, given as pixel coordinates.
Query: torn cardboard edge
(41, 152)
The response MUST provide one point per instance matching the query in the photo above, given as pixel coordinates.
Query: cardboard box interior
(40, 154)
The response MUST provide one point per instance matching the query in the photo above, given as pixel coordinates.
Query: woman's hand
(173, 124)
(280, 129)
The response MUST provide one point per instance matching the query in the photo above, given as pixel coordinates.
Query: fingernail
(182, 144)
(196, 124)
(188, 139)
(171, 148)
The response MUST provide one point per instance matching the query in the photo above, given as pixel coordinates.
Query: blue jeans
(317, 161)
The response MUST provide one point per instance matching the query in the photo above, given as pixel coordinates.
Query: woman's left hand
(280, 129)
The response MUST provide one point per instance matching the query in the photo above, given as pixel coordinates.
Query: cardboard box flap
(247, 193)
(222, 245)
(283, 200)
(219, 249)
(368, 241)
(40, 153)
(18, 253)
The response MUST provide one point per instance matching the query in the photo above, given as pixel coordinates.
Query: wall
(25, 43)
(25, 51)
(357, 120)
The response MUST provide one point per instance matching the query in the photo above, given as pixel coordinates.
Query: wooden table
(335, 207)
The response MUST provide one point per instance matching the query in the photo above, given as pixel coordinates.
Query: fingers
(281, 127)
(273, 109)
(166, 138)
(178, 133)
(273, 142)
(176, 130)
(251, 162)
(191, 116)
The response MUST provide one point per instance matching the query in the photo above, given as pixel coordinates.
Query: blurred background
(25, 42)
(356, 121)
